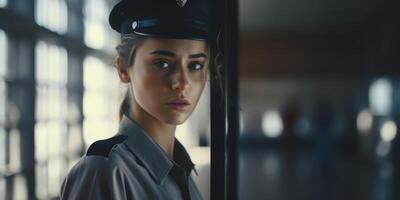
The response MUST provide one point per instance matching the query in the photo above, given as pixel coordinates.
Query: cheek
(199, 81)
(148, 86)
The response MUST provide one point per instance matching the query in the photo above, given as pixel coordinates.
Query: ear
(122, 70)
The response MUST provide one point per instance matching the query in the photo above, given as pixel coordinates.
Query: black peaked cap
(185, 19)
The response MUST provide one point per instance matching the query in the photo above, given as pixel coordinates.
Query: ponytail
(125, 107)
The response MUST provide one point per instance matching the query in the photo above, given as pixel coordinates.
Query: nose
(180, 80)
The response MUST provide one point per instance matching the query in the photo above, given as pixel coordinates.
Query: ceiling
(283, 15)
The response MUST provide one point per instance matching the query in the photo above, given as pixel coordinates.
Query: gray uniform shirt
(131, 165)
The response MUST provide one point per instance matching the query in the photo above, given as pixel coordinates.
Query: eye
(196, 66)
(162, 64)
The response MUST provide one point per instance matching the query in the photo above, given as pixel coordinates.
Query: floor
(272, 173)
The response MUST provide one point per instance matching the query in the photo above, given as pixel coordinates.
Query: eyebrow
(198, 55)
(163, 53)
(171, 54)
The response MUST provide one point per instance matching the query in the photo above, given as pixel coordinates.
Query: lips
(179, 104)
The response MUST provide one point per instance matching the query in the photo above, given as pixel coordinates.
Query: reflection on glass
(272, 124)
(52, 14)
(380, 96)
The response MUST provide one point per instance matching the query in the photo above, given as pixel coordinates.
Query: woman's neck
(163, 134)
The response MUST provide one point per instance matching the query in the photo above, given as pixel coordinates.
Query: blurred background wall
(319, 97)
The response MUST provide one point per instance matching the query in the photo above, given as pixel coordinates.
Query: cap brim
(181, 33)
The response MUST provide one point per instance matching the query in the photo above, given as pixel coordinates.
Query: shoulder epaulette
(103, 147)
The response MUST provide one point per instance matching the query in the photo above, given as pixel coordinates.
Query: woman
(163, 59)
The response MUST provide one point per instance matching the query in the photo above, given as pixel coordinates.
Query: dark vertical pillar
(27, 126)
(218, 107)
(75, 60)
(392, 38)
(21, 104)
(22, 91)
(232, 82)
(224, 101)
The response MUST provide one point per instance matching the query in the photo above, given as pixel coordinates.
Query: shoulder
(103, 147)
(95, 170)
(96, 158)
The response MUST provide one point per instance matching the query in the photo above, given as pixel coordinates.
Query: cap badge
(181, 3)
(134, 25)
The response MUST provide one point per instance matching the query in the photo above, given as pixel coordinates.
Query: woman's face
(168, 76)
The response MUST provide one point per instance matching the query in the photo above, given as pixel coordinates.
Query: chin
(176, 120)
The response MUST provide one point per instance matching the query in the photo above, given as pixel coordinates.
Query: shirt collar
(153, 157)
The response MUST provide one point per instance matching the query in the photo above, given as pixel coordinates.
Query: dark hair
(126, 50)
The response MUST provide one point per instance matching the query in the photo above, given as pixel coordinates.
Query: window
(2, 188)
(45, 141)
(3, 54)
(52, 14)
(20, 189)
(51, 118)
(3, 100)
(101, 100)
(3, 70)
(97, 31)
(11, 175)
